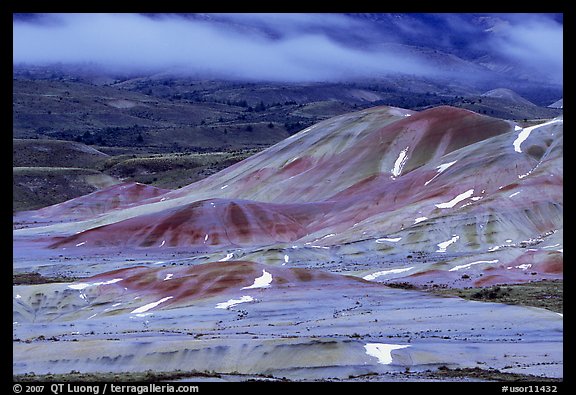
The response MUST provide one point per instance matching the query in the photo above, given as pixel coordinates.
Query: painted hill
(442, 180)
(557, 104)
(508, 94)
(310, 259)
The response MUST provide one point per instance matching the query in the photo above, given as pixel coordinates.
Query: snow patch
(373, 276)
(263, 281)
(81, 286)
(525, 133)
(389, 239)
(442, 246)
(400, 162)
(383, 351)
(149, 306)
(459, 198)
(470, 264)
(234, 302)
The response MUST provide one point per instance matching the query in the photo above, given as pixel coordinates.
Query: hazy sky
(283, 47)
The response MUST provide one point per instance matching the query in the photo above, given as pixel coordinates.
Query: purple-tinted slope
(383, 163)
(444, 180)
(213, 222)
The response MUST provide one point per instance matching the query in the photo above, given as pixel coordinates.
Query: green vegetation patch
(546, 294)
(36, 278)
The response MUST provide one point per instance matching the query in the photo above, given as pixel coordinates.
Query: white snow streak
(442, 246)
(524, 133)
(400, 162)
(150, 305)
(373, 276)
(470, 264)
(263, 281)
(234, 302)
(459, 198)
(81, 286)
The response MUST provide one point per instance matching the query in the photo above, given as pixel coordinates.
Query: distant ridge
(504, 93)
(557, 104)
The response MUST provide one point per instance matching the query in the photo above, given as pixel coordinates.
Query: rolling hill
(310, 260)
(437, 180)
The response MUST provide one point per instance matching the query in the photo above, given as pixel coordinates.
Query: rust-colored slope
(213, 222)
(182, 286)
(387, 169)
(443, 180)
(336, 154)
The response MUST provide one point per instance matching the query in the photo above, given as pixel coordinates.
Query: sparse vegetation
(443, 373)
(544, 294)
(37, 278)
(477, 373)
(37, 187)
(147, 376)
(172, 116)
(171, 170)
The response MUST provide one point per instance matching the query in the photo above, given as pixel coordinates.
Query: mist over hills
(113, 110)
(168, 131)
(478, 48)
(149, 84)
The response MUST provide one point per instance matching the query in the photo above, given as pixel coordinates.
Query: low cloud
(291, 48)
(535, 40)
(276, 47)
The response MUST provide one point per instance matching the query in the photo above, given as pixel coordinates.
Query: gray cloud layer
(534, 40)
(283, 47)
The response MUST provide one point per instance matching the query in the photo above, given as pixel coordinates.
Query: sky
(279, 47)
